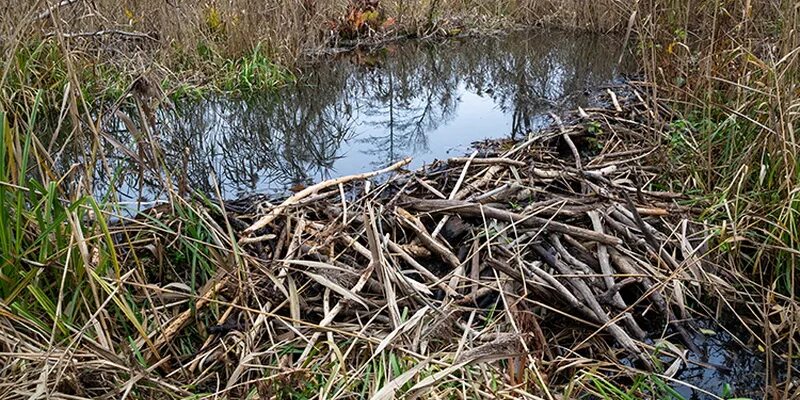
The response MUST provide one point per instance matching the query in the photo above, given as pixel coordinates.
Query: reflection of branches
(532, 74)
(419, 101)
(273, 140)
(296, 135)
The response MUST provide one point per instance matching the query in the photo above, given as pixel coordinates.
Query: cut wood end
(313, 189)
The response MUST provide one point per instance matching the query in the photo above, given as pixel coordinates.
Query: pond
(362, 110)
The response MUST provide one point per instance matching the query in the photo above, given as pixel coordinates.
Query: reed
(732, 69)
(82, 280)
(732, 72)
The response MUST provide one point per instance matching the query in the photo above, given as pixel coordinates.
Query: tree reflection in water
(363, 110)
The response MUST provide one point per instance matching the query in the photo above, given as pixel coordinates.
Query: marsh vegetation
(136, 260)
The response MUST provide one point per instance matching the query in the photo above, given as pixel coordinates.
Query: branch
(279, 209)
(106, 32)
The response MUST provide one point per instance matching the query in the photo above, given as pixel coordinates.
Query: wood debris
(520, 242)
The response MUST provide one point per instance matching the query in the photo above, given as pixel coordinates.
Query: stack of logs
(564, 229)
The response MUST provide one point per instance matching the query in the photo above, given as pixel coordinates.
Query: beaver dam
(526, 261)
(518, 236)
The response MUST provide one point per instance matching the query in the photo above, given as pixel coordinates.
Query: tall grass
(732, 72)
(176, 44)
(730, 68)
(72, 270)
(55, 247)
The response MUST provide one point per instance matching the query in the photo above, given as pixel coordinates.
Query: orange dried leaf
(389, 22)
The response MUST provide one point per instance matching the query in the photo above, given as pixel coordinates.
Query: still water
(362, 110)
(724, 368)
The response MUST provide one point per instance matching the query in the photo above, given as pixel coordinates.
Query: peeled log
(465, 208)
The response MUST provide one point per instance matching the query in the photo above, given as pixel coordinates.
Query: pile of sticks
(471, 259)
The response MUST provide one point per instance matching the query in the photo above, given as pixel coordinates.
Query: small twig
(107, 32)
(279, 209)
(46, 13)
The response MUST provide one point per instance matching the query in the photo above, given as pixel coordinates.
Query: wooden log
(311, 190)
(477, 210)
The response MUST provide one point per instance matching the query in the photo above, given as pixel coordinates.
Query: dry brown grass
(729, 67)
(286, 28)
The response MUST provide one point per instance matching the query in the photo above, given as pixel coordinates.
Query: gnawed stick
(498, 193)
(208, 292)
(487, 174)
(278, 210)
(454, 192)
(427, 240)
(591, 302)
(363, 279)
(477, 210)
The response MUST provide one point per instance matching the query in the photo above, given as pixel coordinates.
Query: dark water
(363, 110)
(725, 368)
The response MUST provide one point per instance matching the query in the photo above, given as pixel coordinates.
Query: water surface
(363, 110)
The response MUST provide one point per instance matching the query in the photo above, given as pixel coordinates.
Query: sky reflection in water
(359, 111)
